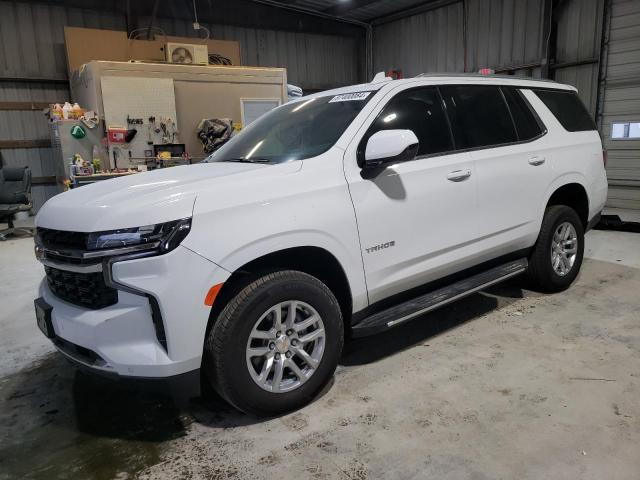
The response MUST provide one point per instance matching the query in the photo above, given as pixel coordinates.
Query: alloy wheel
(285, 346)
(564, 248)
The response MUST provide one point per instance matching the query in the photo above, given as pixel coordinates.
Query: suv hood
(144, 198)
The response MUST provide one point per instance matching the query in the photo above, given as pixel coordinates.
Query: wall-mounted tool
(150, 128)
(134, 121)
(131, 133)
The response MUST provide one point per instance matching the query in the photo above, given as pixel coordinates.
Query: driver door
(417, 219)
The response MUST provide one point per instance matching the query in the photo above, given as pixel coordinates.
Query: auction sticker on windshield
(350, 97)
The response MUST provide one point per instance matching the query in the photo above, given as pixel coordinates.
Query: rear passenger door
(505, 139)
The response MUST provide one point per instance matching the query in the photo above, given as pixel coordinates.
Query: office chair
(15, 196)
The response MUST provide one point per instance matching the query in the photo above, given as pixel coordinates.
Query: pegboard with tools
(139, 113)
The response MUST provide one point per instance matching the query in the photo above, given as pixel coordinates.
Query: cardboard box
(86, 44)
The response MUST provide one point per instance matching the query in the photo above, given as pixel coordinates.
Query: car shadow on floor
(361, 351)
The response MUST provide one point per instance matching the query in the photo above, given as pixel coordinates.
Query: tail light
(605, 157)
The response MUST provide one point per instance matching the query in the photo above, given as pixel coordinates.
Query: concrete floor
(504, 384)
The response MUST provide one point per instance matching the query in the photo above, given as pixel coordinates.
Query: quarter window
(567, 107)
(479, 116)
(527, 125)
(421, 111)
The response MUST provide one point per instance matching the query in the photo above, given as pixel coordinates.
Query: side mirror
(390, 146)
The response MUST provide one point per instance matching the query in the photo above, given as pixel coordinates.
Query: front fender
(261, 247)
(286, 207)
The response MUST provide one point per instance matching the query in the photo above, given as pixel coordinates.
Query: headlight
(163, 237)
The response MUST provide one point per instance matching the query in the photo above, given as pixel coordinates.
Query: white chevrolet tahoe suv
(343, 213)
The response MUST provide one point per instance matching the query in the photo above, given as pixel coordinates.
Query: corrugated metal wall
(504, 34)
(578, 40)
(500, 34)
(32, 46)
(427, 42)
(622, 102)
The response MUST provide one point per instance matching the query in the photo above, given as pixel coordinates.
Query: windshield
(294, 131)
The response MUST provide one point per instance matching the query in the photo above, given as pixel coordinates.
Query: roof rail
(478, 75)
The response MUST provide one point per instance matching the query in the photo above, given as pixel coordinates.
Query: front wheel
(275, 344)
(557, 255)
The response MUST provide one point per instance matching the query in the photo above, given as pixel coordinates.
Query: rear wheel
(557, 255)
(275, 344)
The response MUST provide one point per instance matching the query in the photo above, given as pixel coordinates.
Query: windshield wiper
(246, 160)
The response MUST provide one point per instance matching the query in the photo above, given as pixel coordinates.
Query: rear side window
(419, 110)
(568, 109)
(527, 124)
(479, 116)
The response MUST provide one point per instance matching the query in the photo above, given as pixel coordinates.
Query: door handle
(535, 161)
(459, 175)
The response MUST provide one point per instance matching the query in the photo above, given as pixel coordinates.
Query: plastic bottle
(56, 112)
(95, 158)
(77, 111)
(67, 111)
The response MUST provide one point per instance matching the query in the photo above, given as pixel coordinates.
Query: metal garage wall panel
(579, 30)
(427, 42)
(32, 46)
(500, 34)
(585, 79)
(32, 36)
(503, 33)
(624, 59)
(622, 103)
(578, 39)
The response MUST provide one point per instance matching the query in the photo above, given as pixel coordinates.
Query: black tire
(541, 274)
(225, 362)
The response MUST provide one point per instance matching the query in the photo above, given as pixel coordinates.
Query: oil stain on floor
(58, 423)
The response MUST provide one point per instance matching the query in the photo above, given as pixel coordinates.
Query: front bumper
(121, 340)
(180, 387)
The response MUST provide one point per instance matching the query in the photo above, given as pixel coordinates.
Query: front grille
(84, 289)
(62, 239)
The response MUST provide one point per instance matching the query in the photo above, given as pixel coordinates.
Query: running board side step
(415, 307)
